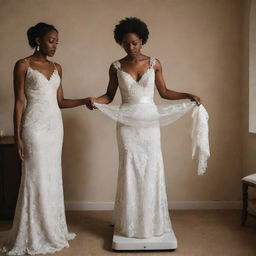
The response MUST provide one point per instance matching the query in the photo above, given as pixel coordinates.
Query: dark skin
(38, 61)
(136, 64)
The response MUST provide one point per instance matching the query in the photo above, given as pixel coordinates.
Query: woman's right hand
(89, 102)
(20, 147)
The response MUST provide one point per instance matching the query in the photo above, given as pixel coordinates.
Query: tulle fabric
(148, 115)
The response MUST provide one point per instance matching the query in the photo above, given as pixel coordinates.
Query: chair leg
(245, 204)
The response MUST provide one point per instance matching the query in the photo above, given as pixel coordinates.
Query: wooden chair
(248, 181)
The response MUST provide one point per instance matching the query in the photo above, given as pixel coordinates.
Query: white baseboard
(204, 205)
(89, 206)
(173, 205)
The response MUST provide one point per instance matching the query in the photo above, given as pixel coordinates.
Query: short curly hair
(131, 25)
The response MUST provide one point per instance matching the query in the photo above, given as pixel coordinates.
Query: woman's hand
(89, 102)
(195, 98)
(20, 147)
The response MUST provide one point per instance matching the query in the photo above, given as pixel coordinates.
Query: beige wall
(199, 45)
(249, 139)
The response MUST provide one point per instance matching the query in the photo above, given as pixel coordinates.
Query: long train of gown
(141, 206)
(39, 225)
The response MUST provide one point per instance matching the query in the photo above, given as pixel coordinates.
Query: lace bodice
(39, 89)
(41, 95)
(136, 91)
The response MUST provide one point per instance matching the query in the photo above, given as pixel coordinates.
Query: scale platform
(167, 241)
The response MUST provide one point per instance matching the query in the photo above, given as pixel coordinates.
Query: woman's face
(132, 44)
(48, 43)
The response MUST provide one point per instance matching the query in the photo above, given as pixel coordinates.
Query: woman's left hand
(195, 98)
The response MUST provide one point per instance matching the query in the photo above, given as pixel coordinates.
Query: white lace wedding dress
(40, 224)
(141, 206)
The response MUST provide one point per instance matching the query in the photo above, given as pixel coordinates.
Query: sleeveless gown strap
(152, 62)
(27, 61)
(53, 63)
(117, 65)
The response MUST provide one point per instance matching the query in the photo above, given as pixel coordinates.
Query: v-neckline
(145, 72)
(48, 79)
(137, 82)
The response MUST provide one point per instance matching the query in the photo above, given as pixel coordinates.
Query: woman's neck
(134, 57)
(37, 55)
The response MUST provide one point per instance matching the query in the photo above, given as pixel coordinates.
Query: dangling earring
(38, 48)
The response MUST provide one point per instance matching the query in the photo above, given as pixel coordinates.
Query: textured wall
(199, 45)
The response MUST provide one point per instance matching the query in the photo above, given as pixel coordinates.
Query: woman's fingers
(89, 103)
(21, 153)
(196, 99)
(92, 104)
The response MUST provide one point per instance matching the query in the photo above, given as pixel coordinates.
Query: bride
(141, 208)
(39, 224)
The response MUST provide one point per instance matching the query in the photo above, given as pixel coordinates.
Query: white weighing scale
(167, 241)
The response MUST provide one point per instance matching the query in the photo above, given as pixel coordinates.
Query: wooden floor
(199, 233)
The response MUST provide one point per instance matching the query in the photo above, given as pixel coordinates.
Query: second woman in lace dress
(141, 206)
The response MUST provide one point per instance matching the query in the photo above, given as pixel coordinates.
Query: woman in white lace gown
(40, 224)
(141, 207)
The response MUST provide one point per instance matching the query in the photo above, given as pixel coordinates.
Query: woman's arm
(19, 73)
(169, 94)
(67, 103)
(110, 93)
